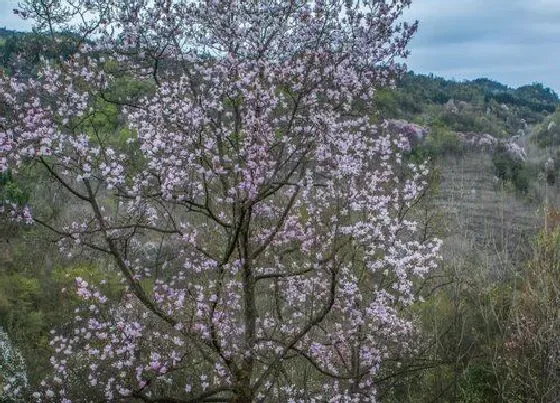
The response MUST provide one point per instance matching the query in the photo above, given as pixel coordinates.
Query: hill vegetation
(482, 105)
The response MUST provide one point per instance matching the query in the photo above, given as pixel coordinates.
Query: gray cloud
(513, 41)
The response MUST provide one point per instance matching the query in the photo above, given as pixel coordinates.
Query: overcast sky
(512, 41)
(8, 19)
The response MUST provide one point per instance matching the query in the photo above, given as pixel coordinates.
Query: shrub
(511, 169)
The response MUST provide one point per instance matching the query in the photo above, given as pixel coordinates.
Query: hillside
(482, 210)
(489, 102)
(491, 145)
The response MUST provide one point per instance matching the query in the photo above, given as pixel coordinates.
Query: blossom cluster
(14, 384)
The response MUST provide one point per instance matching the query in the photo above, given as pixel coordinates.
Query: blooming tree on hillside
(256, 215)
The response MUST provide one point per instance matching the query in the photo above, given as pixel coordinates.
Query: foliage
(530, 357)
(11, 190)
(548, 132)
(511, 169)
(443, 141)
(490, 340)
(31, 305)
(33, 48)
(436, 90)
(481, 105)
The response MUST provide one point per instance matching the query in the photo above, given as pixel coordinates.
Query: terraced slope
(480, 210)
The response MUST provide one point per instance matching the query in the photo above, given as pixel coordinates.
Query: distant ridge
(534, 96)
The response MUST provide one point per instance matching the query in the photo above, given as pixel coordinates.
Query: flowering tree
(258, 221)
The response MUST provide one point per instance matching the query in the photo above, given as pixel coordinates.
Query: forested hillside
(253, 214)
